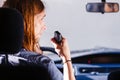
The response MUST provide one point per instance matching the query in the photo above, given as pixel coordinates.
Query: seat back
(114, 75)
(11, 31)
(23, 73)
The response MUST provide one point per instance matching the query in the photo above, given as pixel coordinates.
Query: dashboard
(92, 64)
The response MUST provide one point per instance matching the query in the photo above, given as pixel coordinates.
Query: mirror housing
(104, 7)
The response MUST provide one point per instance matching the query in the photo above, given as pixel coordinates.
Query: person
(33, 12)
(111, 7)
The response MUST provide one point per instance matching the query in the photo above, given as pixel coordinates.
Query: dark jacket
(44, 61)
(39, 67)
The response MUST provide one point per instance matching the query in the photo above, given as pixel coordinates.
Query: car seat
(114, 75)
(13, 67)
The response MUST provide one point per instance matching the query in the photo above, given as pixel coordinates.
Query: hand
(62, 49)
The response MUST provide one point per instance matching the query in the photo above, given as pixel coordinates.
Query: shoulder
(34, 57)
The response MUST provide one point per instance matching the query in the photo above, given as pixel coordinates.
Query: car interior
(99, 63)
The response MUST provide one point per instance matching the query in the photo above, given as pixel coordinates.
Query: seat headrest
(11, 31)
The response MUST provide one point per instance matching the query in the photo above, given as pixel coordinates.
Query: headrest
(11, 31)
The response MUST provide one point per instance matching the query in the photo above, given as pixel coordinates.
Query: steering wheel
(50, 49)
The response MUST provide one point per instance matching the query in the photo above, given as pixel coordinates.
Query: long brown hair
(28, 8)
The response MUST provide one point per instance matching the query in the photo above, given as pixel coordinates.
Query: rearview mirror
(104, 7)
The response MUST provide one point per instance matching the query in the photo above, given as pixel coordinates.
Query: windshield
(83, 30)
